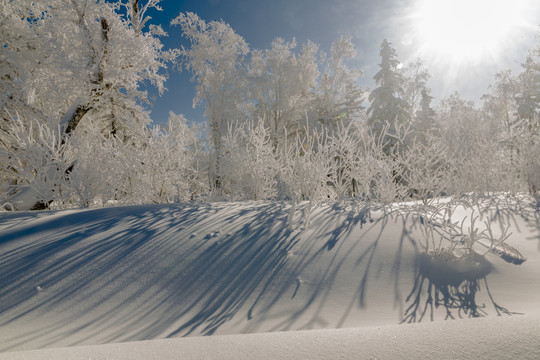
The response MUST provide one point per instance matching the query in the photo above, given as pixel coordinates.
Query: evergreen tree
(425, 117)
(387, 100)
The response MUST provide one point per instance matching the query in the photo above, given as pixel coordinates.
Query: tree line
(288, 122)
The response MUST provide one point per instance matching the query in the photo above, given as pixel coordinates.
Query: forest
(289, 122)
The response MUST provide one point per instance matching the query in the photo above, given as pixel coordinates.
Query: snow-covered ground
(332, 281)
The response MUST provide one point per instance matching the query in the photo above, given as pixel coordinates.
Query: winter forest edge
(284, 123)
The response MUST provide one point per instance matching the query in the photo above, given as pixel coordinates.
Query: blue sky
(323, 21)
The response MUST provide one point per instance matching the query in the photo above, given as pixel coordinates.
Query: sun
(467, 31)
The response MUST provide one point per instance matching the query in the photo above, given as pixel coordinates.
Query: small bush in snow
(34, 161)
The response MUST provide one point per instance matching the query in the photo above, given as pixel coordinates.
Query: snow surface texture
(493, 338)
(128, 274)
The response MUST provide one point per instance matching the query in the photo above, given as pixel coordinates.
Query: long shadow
(450, 283)
(243, 268)
(122, 274)
(335, 225)
(149, 269)
(267, 270)
(447, 282)
(127, 274)
(52, 268)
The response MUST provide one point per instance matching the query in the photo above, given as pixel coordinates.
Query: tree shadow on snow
(127, 274)
(450, 283)
(146, 272)
(333, 243)
(111, 275)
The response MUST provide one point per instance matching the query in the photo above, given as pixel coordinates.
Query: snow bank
(131, 274)
(487, 338)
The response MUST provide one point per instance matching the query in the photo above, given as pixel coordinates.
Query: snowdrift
(487, 338)
(351, 272)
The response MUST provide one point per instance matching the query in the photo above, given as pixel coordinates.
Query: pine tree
(387, 100)
(425, 117)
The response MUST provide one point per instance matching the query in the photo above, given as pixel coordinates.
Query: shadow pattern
(451, 283)
(117, 274)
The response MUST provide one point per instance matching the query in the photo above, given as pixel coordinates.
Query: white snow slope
(256, 280)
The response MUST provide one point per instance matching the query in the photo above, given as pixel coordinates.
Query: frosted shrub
(358, 165)
(100, 165)
(250, 167)
(483, 168)
(444, 236)
(353, 167)
(373, 170)
(162, 167)
(439, 233)
(387, 152)
(485, 158)
(386, 189)
(306, 171)
(158, 168)
(188, 154)
(426, 167)
(32, 158)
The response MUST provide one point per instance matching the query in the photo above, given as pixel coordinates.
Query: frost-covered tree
(136, 11)
(415, 77)
(500, 112)
(339, 97)
(460, 121)
(388, 103)
(282, 85)
(215, 58)
(528, 97)
(480, 164)
(512, 110)
(500, 105)
(424, 123)
(77, 62)
(80, 55)
(528, 124)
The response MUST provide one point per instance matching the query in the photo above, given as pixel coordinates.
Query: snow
(339, 280)
(493, 338)
(25, 199)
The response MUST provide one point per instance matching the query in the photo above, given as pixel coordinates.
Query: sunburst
(469, 31)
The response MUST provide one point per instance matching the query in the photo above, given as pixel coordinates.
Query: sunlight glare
(458, 31)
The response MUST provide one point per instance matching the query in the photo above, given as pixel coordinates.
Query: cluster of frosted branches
(169, 164)
(95, 169)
